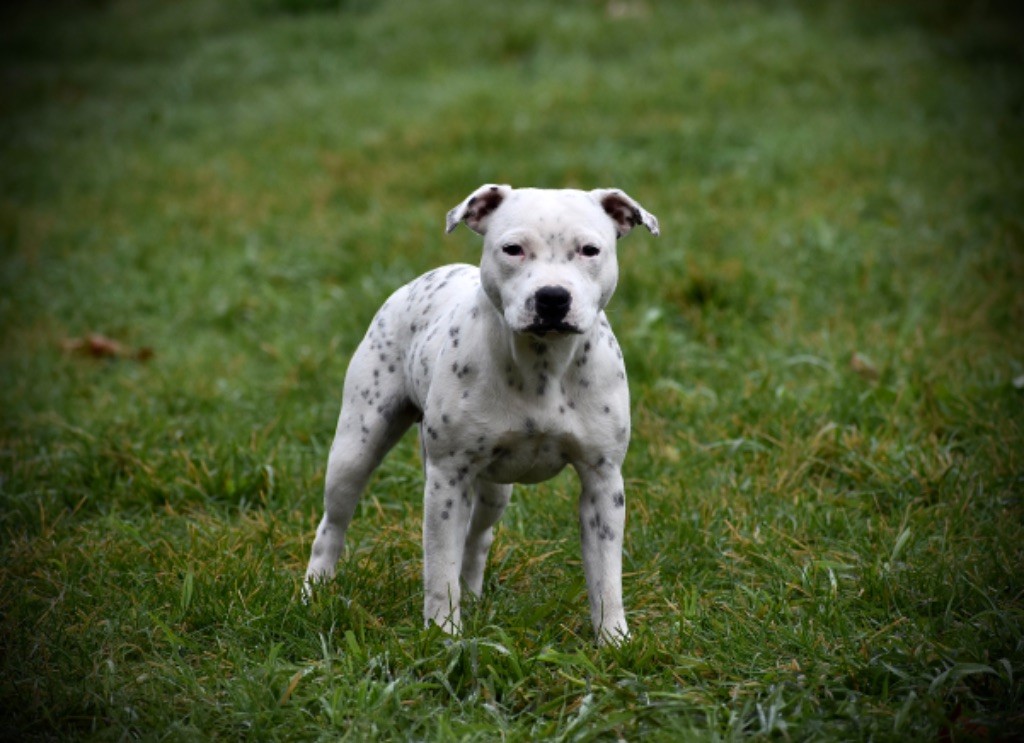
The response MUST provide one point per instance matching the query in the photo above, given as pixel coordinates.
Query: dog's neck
(548, 356)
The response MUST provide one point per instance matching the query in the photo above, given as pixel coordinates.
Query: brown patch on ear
(475, 210)
(624, 211)
(482, 205)
(621, 212)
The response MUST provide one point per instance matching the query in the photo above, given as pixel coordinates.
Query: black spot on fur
(604, 532)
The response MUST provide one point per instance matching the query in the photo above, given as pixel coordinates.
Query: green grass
(815, 549)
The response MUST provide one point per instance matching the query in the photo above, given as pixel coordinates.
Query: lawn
(825, 534)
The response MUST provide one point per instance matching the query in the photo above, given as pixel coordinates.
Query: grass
(826, 526)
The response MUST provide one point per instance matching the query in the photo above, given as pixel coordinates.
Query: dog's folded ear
(478, 207)
(625, 212)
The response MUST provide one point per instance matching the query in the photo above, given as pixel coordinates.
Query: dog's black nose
(552, 303)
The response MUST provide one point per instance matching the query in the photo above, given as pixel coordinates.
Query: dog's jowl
(512, 371)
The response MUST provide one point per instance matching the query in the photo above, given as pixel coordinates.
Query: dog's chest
(527, 456)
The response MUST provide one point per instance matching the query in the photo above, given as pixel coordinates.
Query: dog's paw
(615, 635)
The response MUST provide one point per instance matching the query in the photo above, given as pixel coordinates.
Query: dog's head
(549, 262)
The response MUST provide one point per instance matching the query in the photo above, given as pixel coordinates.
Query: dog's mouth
(559, 328)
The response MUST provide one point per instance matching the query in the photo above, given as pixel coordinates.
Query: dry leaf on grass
(101, 347)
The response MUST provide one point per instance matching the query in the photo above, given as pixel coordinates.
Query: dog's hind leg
(374, 415)
(488, 506)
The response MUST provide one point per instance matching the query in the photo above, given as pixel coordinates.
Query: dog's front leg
(446, 508)
(602, 525)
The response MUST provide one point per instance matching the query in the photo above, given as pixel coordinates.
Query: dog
(512, 371)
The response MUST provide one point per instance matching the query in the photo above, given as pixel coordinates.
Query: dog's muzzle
(551, 305)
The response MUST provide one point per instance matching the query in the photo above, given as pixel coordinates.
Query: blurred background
(235, 187)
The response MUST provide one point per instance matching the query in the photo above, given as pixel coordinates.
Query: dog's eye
(590, 250)
(513, 249)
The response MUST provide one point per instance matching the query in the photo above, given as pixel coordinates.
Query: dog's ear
(624, 211)
(477, 208)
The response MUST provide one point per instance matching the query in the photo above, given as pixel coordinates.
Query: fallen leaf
(101, 347)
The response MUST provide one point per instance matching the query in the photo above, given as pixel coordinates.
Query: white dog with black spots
(512, 371)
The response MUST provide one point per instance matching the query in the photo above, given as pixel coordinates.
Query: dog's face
(549, 263)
